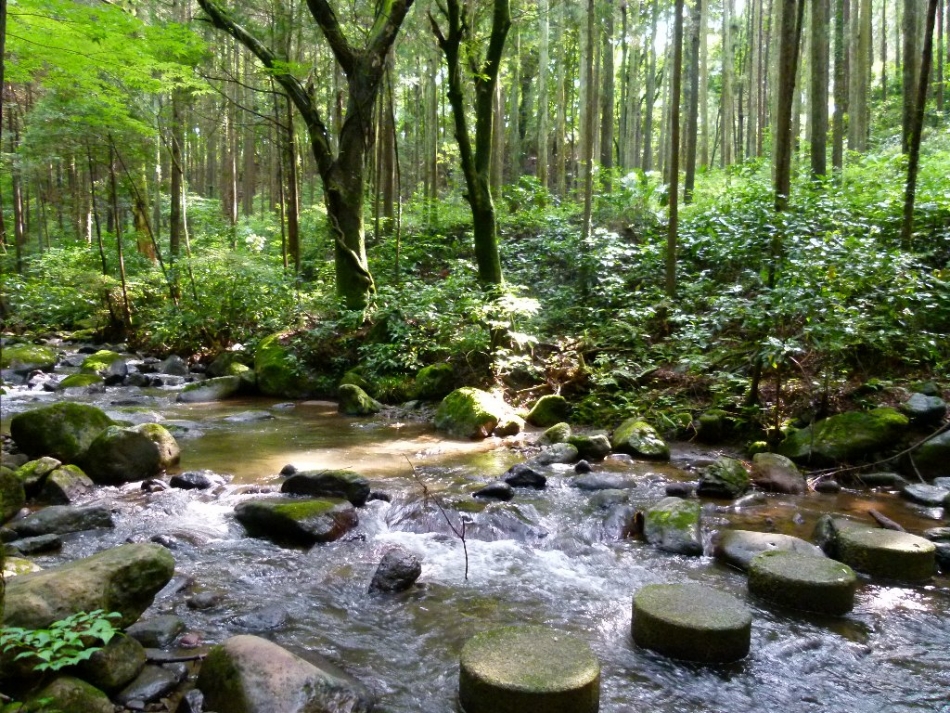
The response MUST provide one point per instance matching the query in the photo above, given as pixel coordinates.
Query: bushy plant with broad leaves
(65, 643)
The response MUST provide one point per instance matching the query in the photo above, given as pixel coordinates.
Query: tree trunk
(560, 130)
(818, 87)
(911, 69)
(860, 76)
(692, 102)
(587, 143)
(543, 61)
(840, 84)
(607, 95)
(175, 217)
(647, 163)
(727, 120)
(790, 39)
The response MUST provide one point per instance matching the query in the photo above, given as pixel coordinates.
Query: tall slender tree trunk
(560, 130)
(692, 102)
(544, 29)
(676, 78)
(790, 39)
(911, 69)
(727, 121)
(607, 95)
(840, 84)
(860, 76)
(648, 108)
(175, 214)
(818, 87)
(587, 143)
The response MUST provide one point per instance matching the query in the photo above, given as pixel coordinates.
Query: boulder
(119, 455)
(498, 490)
(329, 483)
(156, 632)
(196, 480)
(124, 579)
(672, 525)
(152, 683)
(712, 426)
(639, 439)
(100, 362)
(356, 402)
(355, 377)
(216, 389)
(777, 474)
(297, 520)
(932, 459)
(397, 571)
(738, 547)
(595, 446)
(17, 566)
(66, 694)
(563, 453)
(63, 519)
(846, 437)
(522, 475)
(63, 431)
(475, 414)
(517, 669)
(40, 544)
(929, 495)
(924, 410)
(806, 582)
(247, 674)
(64, 485)
(604, 481)
(558, 433)
(12, 494)
(174, 365)
(25, 358)
(434, 382)
(723, 478)
(279, 372)
(221, 365)
(549, 410)
(692, 622)
(887, 554)
(169, 452)
(81, 381)
(115, 664)
(828, 529)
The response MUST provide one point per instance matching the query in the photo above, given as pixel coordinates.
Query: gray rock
(605, 499)
(197, 480)
(942, 483)
(204, 600)
(37, 545)
(217, 389)
(680, 490)
(329, 483)
(300, 521)
(249, 417)
(738, 547)
(932, 459)
(724, 478)
(582, 467)
(150, 685)
(777, 474)
(499, 490)
(65, 484)
(174, 366)
(845, 437)
(604, 481)
(929, 495)
(288, 469)
(116, 372)
(672, 525)
(192, 702)
(66, 693)
(267, 618)
(156, 632)
(595, 446)
(942, 555)
(522, 475)
(879, 480)
(938, 534)
(63, 519)
(115, 665)
(556, 453)
(925, 410)
(119, 455)
(397, 571)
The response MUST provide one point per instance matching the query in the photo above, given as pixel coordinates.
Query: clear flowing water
(547, 557)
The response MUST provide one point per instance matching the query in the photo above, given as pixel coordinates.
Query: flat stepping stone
(887, 554)
(692, 622)
(802, 581)
(517, 669)
(739, 547)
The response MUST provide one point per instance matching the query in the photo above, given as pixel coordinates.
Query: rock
(356, 402)
(595, 446)
(518, 669)
(174, 366)
(680, 490)
(196, 480)
(192, 702)
(67, 694)
(475, 414)
(115, 664)
(639, 439)
(549, 410)
(13, 461)
(827, 486)
(156, 632)
(672, 525)
(137, 379)
(266, 618)
(522, 475)
(204, 600)
(887, 554)
(932, 459)
(777, 474)
(288, 469)
(247, 674)
(724, 478)
(582, 467)
(558, 433)
(604, 481)
(216, 389)
(123, 579)
(434, 382)
(827, 530)
(100, 362)
(691, 622)
(36, 545)
(154, 485)
(18, 566)
(279, 372)
(93, 382)
(63, 519)
(558, 453)
(65, 484)
(26, 358)
(499, 490)
(879, 480)
(607, 499)
(806, 582)
(739, 547)
(152, 683)
(329, 483)
(924, 410)
(248, 417)
(846, 437)
(929, 495)
(116, 372)
(942, 483)
(12, 494)
(943, 556)
(119, 455)
(302, 521)
(63, 431)
(397, 571)
(712, 426)
(938, 534)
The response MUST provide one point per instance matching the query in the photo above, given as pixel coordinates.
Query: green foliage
(65, 643)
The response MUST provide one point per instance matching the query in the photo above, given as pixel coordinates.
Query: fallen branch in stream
(459, 532)
(162, 658)
(885, 522)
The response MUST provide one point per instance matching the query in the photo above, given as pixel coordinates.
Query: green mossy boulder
(67, 694)
(806, 582)
(81, 381)
(64, 485)
(434, 382)
(692, 622)
(224, 363)
(18, 566)
(124, 579)
(639, 439)
(356, 402)
(723, 478)
(712, 426)
(295, 520)
(887, 554)
(355, 377)
(216, 389)
(120, 455)
(25, 358)
(672, 525)
(846, 437)
(100, 361)
(777, 474)
(63, 431)
(521, 669)
(169, 452)
(115, 664)
(549, 410)
(932, 459)
(594, 446)
(329, 483)
(12, 494)
(279, 371)
(558, 433)
(475, 414)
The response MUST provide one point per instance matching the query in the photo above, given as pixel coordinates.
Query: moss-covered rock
(81, 381)
(356, 402)
(329, 483)
(692, 622)
(777, 474)
(846, 437)
(723, 478)
(63, 519)
(593, 446)
(216, 389)
(558, 433)
(100, 361)
(639, 439)
(887, 554)
(548, 410)
(473, 413)
(120, 455)
(12, 494)
(355, 377)
(64, 485)
(801, 581)
(712, 426)
(931, 459)
(67, 694)
(517, 669)
(224, 363)
(280, 372)
(24, 358)
(672, 525)
(434, 382)
(115, 664)
(296, 520)
(18, 566)
(64, 430)
(169, 452)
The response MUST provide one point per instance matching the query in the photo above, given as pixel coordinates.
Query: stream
(548, 557)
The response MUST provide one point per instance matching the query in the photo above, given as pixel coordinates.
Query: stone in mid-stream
(522, 669)
(887, 554)
(801, 581)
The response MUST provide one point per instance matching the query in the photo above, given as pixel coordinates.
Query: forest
(647, 206)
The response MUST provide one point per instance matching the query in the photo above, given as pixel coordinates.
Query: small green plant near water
(65, 643)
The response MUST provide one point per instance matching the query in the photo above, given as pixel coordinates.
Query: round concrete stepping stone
(801, 581)
(887, 554)
(517, 669)
(691, 622)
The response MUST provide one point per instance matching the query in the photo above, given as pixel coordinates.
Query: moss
(100, 361)
(63, 431)
(24, 358)
(845, 437)
(80, 380)
(356, 402)
(887, 554)
(638, 438)
(280, 372)
(220, 682)
(549, 410)
(800, 581)
(12, 494)
(470, 413)
(434, 382)
(558, 433)
(725, 477)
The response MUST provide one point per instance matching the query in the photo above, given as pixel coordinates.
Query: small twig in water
(885, 522)
(459, 532)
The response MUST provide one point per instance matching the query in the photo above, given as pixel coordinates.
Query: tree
(342, 171)
(912, 22)
(676, 82)
(818, 87)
